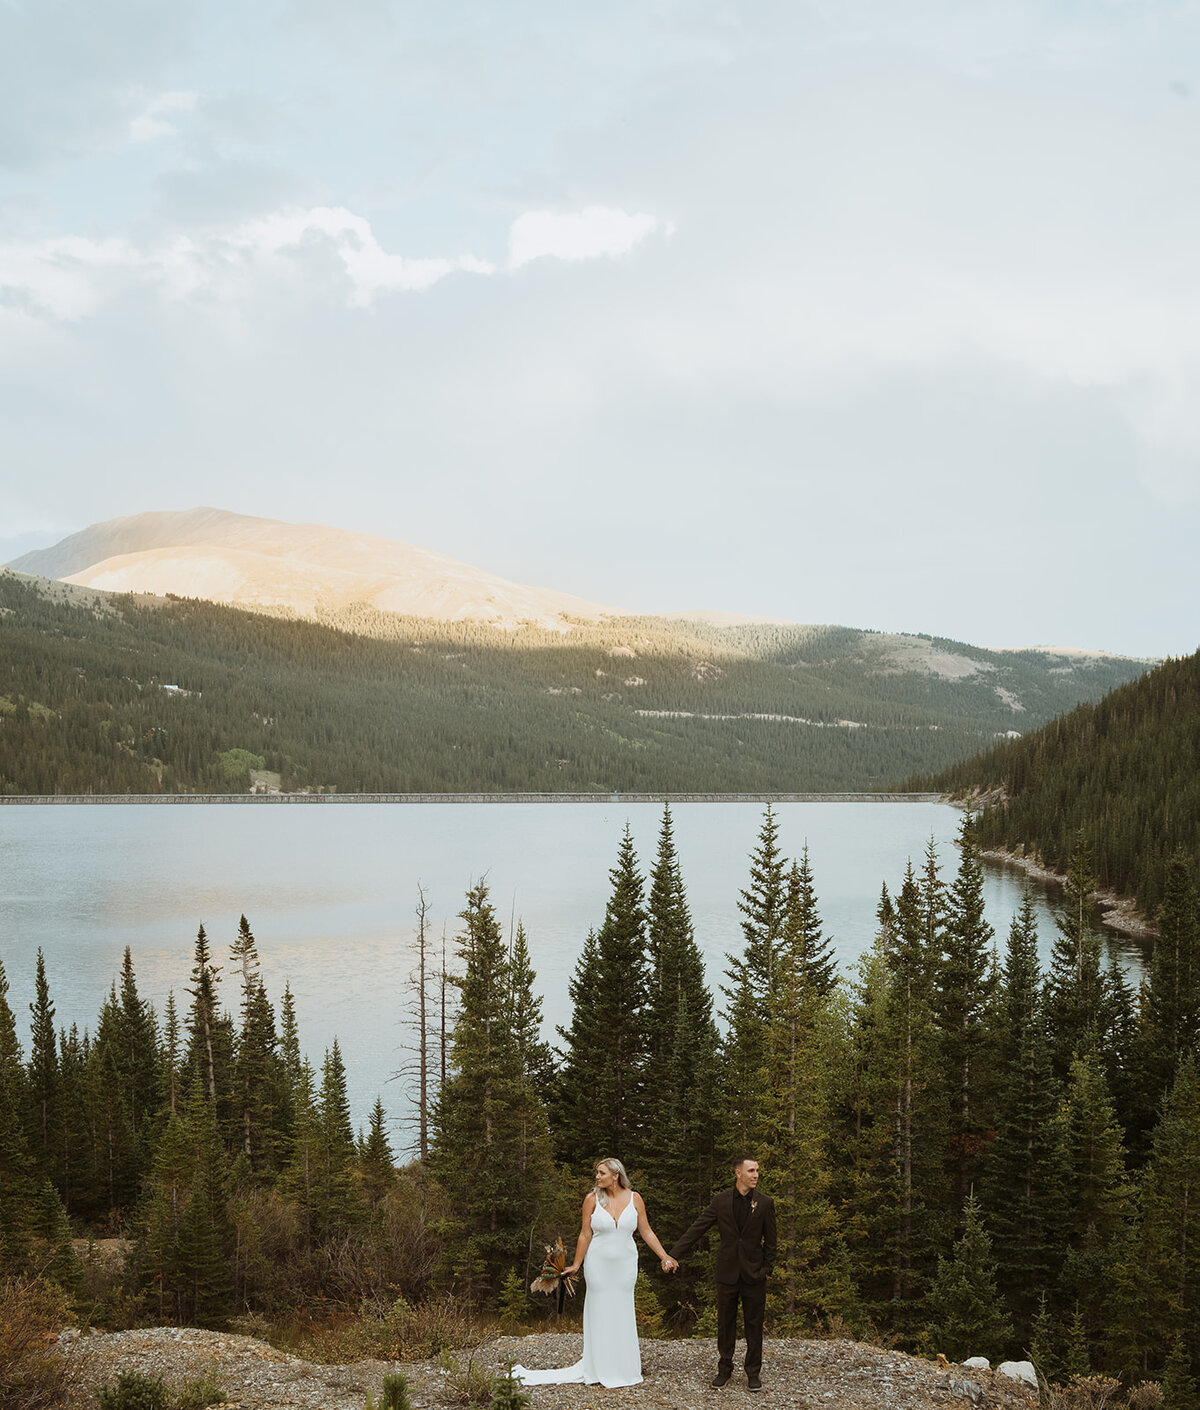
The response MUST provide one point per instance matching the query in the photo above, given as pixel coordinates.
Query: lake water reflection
(330, 893)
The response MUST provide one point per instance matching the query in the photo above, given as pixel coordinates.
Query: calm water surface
(330, 894)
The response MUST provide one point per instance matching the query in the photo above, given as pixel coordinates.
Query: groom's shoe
(720, 1379)
(753, 1383)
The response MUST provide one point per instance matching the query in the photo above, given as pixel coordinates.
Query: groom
(745, 1220)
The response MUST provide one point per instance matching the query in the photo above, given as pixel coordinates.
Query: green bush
(508, 1393)
(134, 1391)
(199, 1394)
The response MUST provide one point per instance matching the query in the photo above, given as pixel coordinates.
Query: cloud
(591, 233)
(68, 278)
(151, 123)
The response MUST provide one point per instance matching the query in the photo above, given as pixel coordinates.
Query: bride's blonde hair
(613, 1164)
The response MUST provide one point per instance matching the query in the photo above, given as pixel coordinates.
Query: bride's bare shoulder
(589, 1201)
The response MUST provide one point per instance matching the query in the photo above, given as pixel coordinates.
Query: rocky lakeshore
(803, 1375)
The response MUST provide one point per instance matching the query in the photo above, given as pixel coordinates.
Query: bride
(608, 1256)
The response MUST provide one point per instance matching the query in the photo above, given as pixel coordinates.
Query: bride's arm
(585, 1236)
(651, 1238)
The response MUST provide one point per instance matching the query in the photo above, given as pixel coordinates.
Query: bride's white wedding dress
(611, 1354)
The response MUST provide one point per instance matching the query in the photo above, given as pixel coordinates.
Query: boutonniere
(753, 1205)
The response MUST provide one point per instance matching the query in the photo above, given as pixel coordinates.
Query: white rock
(978, 1363)
(1019, 1371)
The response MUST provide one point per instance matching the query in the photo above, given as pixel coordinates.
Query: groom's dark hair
(742, 1159)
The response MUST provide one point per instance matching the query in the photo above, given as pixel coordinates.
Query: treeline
(1124, 771)
(967, 1155)
(110, 694)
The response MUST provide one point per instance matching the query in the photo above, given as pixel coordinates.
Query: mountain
(301, 568)
(1125, 771)
(113, 693)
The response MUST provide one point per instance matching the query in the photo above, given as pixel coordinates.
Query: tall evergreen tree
(256, 1074)
(44, 1082)
(15, 1192)
(811, 1281)
(336, 1201)
(138, 1059)
(1075, 985)
(969, 1318)
(1022, 1177)
(763, 905)
(600, 1094)
(525, 1017)
(376, 1159)
(681, 1062)
(802, 935)
(491, 1149)
(1171, 1213)
(1171, 1002)
(961, 995)
(1099, 1196)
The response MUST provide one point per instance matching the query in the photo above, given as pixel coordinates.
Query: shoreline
(271, 799)
(1118, 913)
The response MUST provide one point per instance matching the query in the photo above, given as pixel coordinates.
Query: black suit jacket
(743, 1255)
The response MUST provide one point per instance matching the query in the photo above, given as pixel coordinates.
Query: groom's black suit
(745, 1258)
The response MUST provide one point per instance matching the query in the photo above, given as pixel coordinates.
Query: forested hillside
(114, 694)
(1124, 772)
(966, 1157)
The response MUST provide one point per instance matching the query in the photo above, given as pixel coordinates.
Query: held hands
(668, 1264)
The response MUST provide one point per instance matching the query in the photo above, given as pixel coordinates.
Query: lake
(330, 895)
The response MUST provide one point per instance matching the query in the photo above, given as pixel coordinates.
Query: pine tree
(1178, 1383)
(763, 905)
(961, 997)
(864, 1187)
(1075, 986)
(525, 1018)
(491, 1148)
(968, 1314)
(1171, 1212)
(681, 1063)
(598, 1099)
(376, 1160)
(336, 1200)
(203, 1043)
(918, 1103)
(810, 1282)
(1099, 1197)
(1023, 1170)
(802, 935)
(44, 1083)
(1171, 1002)
(255, 1064)
(138, 1059)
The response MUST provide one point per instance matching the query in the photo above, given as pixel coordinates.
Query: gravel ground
(803, 1375)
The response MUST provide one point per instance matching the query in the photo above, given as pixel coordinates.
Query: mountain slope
(103, 693)
(264, 563)
(1125, 770)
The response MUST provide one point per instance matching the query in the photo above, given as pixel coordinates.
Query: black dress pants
(753, 1297)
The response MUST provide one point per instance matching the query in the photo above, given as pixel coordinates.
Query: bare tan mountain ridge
(302, 568)
(311, 570)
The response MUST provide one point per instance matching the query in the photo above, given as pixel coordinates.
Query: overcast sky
(885, 314)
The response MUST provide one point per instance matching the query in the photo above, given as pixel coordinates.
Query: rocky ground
(803, 1375)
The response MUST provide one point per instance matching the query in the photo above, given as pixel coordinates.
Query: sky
(859, 312)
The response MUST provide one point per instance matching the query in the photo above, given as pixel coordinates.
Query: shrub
(508, 1393)
(393, 1395)
(32, 1313)
(199, 1394)
(134, 1391)
(465, 1385)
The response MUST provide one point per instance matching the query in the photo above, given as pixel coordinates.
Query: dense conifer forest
(106, 694)
(968, 1154)
(1124, 771)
